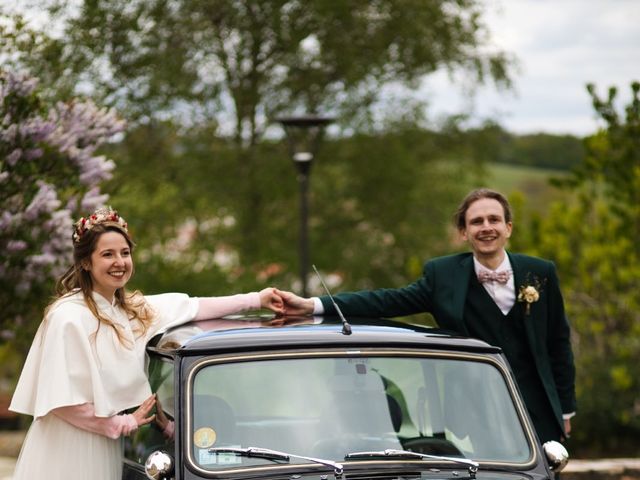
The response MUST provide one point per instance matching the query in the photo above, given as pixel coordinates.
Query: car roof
(260, 332)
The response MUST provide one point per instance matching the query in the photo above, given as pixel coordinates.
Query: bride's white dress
(56, 450)
(69, 364)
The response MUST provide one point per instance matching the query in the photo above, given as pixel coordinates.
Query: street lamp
(304, 134)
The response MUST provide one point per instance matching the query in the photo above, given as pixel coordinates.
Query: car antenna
(346, 328)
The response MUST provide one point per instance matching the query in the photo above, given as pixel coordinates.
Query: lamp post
(304, 134)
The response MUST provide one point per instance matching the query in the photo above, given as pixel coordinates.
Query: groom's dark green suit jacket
(443, 291)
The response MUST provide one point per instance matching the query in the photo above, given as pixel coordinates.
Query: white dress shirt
(504, 294)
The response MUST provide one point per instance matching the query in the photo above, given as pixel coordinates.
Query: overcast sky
(561, 46)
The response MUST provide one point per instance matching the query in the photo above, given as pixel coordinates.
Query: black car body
(257, 397)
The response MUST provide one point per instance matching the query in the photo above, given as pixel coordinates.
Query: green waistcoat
(485, 320)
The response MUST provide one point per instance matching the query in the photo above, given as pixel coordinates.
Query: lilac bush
(50, 174)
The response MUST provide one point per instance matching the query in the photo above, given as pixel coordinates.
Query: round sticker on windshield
(204, 437)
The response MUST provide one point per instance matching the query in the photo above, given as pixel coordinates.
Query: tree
(614, 157)
(184, 223)
(257, 58)
(23, 48)
(236, 64)
(593, 241)
(49, 173)
(202, 82)
(541, 150)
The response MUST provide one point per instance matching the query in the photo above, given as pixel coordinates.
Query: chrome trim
(159, 465)
(556, 454)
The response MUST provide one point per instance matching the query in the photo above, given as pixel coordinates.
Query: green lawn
(532, 183)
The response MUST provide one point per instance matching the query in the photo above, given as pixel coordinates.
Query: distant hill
(533, 183)
(557, 152)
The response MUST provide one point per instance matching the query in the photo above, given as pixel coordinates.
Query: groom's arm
(383, 302)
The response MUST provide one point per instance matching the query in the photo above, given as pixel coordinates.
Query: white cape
(68, 364)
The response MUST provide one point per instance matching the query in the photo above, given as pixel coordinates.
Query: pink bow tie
(500, 277)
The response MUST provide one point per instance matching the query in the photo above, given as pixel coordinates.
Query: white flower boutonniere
(530, 293)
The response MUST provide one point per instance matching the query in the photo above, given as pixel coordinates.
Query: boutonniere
(530, 293)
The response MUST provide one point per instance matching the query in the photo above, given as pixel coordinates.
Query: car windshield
(328, 407)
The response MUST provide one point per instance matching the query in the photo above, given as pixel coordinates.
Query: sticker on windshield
(204, 437)
(205, 457)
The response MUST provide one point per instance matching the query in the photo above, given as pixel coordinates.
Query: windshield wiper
(393, 453)
(269, 454)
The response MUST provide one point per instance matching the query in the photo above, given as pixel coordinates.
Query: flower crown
(101, 215)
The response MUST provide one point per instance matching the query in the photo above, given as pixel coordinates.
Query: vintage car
(319, 398)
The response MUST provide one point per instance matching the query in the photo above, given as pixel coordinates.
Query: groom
(506, 299)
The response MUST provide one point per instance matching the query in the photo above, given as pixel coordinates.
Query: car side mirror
(556, 454)
(159, 466)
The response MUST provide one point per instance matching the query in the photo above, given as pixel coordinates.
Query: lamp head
(304, 134)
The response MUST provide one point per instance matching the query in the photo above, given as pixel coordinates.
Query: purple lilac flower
(42, 260)
(72, 203)
(45, 201)
(60, 218)
(59, 226)
(8, 134)
(20, 83)
(14, 156)
(93, 199)
(95, 170)
(6, 220)
(33, 153)
(37, 129)
(15, 246)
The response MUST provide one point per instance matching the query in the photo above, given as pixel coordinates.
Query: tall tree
(593, 241)
(243, 62)
(188, 236)
(261, 57)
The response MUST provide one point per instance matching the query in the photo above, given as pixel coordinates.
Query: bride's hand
(269, 298)
(142, 412)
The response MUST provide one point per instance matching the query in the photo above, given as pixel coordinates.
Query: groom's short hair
(478, 194)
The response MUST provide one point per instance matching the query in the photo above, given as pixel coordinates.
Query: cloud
(561, 46)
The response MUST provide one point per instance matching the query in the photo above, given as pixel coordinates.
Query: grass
(533, 184)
